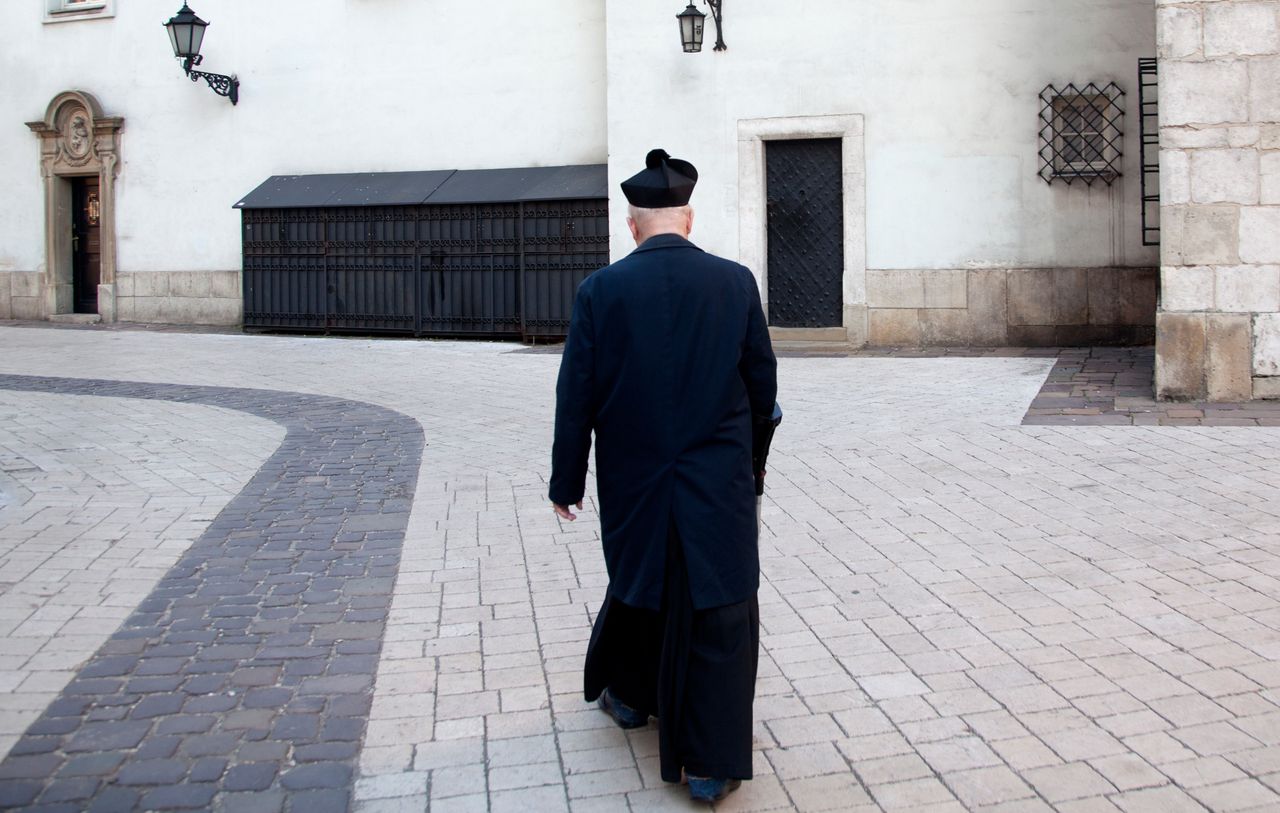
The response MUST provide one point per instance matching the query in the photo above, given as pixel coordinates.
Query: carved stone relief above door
(77, 140)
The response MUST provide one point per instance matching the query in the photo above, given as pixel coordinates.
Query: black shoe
(622, 714)
(703, 789)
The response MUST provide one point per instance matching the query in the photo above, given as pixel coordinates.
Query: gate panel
(285, 293)
(475, 295)
(806, 232)
(263, 232)
(303, 231)
(371, 293)
(563, 242)
(447, 230)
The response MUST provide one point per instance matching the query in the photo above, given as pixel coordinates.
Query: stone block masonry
(180, 297)
(151, 297)
(1219, 74)
(1028, 307)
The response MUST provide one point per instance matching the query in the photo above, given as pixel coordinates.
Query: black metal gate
(492, 270)
(806, 232)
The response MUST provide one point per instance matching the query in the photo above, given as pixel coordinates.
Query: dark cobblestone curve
(243, 681)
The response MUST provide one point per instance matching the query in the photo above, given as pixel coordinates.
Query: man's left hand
(563, 511)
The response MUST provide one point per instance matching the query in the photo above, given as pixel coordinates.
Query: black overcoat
(668, 356)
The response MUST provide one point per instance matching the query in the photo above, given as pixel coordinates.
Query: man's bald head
(645, 223)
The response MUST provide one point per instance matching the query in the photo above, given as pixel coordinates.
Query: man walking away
(667, 360)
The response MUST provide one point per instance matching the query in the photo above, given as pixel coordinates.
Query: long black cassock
(667, 359)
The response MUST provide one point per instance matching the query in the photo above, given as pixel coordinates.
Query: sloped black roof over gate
(460, 186)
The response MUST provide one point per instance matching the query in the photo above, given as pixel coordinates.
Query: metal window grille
(1149, 149)
(1080, 133)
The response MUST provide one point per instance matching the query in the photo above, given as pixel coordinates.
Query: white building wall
(963, 241)
(949, 95)
(326, 86)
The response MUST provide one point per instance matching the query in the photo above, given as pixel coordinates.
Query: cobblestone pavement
(1114, 386)
(243, 677)
(92, 514)
(958, 611)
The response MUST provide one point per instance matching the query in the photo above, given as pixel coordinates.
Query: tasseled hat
(664, 182)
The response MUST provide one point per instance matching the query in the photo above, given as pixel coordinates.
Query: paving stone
(322, 801)
(296, 727)
(250, 776)
(29, 767)
(1061, 783)
(115, 799)
(158, 747)
(69, 790)
(152, 772)
(108, 736)
(326, 752)
(318, 775)
(14, 793)
(252, 802)
(178, 797)
(92, 765)
(208, 769)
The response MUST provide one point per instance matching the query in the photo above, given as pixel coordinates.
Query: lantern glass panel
(197, 39)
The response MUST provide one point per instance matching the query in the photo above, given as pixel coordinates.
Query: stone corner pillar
(1218, 321)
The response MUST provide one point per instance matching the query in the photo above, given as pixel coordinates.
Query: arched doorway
(79, 161)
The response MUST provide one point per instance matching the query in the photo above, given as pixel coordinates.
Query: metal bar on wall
(1149, 148)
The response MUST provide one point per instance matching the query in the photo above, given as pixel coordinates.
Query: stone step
(76, 318)
(815, 348)
(832, 335)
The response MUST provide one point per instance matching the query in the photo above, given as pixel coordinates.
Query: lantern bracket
(716, 16)
(228, 86)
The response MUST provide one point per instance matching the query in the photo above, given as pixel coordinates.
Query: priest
(667, 360)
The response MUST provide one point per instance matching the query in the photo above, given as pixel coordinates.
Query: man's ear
(634, 229)
(689, 221)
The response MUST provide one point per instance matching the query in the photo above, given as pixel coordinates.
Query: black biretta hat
(664, 182)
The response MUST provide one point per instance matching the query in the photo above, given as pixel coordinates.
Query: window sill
(1085, 173)
(97, 11)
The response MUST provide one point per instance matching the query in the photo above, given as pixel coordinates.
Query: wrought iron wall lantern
(186, 33)
(691, 24)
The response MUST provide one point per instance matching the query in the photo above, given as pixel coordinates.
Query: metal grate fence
(493, 270)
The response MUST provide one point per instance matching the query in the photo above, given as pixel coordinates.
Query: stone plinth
(1037, 307)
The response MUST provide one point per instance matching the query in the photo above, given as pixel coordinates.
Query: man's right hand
(563, 511)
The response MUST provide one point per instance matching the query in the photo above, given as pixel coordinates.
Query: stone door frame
(77, 140)
(753, 212)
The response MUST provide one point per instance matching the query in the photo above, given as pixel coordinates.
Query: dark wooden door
(86, 243)
(806, 232)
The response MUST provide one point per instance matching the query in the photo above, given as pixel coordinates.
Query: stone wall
(1036, 307)
(160, 297)
(1218, 326)
(180, 297)
(19, 295)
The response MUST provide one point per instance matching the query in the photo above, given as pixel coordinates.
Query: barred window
(1080, 133)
